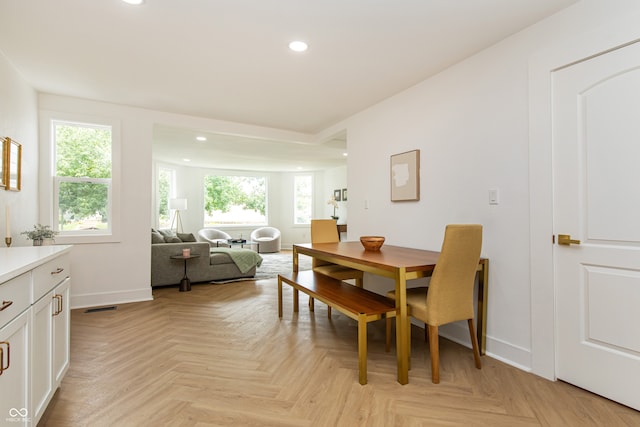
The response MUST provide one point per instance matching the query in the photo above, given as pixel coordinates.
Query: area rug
(273, 264)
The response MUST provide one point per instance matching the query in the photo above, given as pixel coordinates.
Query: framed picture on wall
(12, 164)
(3, 183)
(337, 195)
(344, 194)
(405, 176)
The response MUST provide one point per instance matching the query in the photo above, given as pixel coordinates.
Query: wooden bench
(357, 303)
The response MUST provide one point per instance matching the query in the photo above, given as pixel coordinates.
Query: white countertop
(17, 260)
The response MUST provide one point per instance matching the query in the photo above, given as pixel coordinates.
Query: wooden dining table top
(389, 257)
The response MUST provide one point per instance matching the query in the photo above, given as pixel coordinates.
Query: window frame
(172, 191)
(49, 199)
(295, 198)
(221, 173)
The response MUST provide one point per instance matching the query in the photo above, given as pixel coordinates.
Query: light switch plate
(493, 196)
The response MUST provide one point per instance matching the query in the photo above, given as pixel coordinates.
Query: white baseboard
(111, 298)
(510, 354)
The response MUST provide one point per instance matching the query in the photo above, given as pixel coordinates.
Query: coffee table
(241, 243)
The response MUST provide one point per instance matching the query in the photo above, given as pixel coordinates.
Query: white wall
(471, 124)
(335, 179)
(19, 121)
(111, 273)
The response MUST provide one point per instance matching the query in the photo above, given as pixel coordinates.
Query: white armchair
(268, 239)
(214, 237)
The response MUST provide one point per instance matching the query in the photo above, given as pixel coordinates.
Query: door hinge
(553, 239)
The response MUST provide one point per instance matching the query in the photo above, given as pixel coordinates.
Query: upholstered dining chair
(214, 237)
(326, 231)
(449, 297)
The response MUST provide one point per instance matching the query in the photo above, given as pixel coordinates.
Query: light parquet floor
(219, 356)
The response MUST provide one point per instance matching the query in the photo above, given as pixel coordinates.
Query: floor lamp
(177, 205)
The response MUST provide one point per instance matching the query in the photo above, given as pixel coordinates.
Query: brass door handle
(565, 239)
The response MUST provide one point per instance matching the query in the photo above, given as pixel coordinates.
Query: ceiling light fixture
(186, 160)
(201, 138)
(298, 46)
(136, 2)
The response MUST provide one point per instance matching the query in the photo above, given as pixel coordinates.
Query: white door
(596, 166)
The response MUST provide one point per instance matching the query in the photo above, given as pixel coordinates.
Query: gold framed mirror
(3, 183)
(12, 165)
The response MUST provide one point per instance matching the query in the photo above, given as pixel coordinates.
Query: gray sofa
(208, 267)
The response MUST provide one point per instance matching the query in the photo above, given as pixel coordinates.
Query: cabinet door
(14, 406)
(61, 330)
(41, 355)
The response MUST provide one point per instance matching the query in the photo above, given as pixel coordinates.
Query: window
(303, 197)
(80, 164)
(235, 200)
(165, 190)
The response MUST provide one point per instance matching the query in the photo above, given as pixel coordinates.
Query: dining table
(399, 264)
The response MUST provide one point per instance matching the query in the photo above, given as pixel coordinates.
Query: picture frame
(3, 183)
(337, 194)
(12, 164)
(344, 194)
(405, 176)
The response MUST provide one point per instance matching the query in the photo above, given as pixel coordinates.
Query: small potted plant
(39, 234)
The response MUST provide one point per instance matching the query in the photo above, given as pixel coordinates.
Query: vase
(37, 242)
(47, 242)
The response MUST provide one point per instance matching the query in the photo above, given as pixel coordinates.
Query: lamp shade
(178, 204)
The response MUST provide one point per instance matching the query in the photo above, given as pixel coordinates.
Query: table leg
(402, 328)
(185, 283)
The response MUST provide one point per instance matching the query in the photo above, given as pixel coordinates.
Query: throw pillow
(172, 239)
(167, 233)
(187, 237)
(156, 237)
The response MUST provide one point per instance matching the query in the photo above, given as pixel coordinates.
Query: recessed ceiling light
(345, 154)
(186, 160)
(133, 1)
(201, 138)
(298, 46)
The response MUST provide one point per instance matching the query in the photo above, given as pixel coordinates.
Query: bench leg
(311, 304)
(362, 349)
(295, 300)
(279, 297)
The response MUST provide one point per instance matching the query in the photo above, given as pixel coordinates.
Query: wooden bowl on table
(372, 243)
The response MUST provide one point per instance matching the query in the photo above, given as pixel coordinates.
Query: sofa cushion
(187, 237)
(172, 239)
(156, 237)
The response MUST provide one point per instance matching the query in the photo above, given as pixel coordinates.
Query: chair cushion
(416, 299)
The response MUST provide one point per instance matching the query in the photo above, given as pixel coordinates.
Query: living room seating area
(212, 264)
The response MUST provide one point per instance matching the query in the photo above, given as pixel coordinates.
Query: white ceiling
(229, 60)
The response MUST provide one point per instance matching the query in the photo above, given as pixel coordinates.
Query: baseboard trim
(111, 298)
(510, 354)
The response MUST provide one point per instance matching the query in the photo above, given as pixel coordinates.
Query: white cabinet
(34, 329)
(50, 331)
(14, 399)
(41, 355)
(61, 331)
